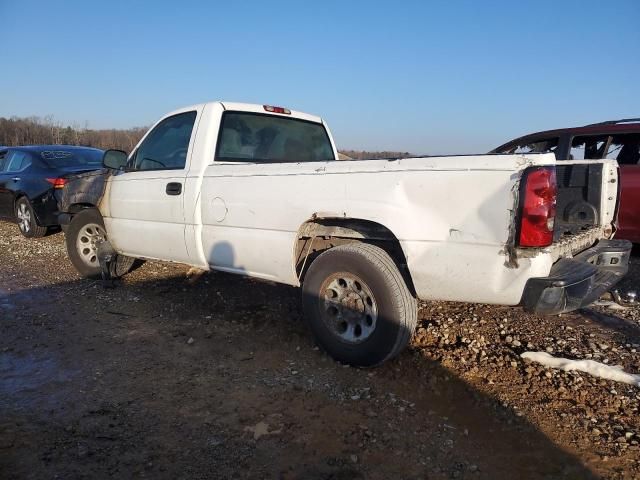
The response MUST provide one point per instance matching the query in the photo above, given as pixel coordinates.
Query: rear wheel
(82, 237)
(26, 219)
(358, 305)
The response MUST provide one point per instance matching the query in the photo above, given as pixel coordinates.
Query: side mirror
(115, 159)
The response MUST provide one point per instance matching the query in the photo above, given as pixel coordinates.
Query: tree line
(48, 131)
(16, 131)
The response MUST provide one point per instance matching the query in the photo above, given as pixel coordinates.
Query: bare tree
(47, 130)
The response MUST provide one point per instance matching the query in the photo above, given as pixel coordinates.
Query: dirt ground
(217, 376)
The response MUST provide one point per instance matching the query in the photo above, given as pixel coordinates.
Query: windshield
(255, 137)
(72, 158)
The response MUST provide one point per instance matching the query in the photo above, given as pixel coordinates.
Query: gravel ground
(214, 376)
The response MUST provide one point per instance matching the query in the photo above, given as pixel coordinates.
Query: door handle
(16, 179)
(174, 188)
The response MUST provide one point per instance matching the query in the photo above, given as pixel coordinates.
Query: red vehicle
(615, 139)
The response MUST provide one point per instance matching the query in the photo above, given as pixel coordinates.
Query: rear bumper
(64, 219)
(576, 282)
(46, 209)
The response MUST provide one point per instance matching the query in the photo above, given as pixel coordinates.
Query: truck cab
(154, 207)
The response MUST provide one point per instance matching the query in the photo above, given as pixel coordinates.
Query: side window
(548, 145)
(588, 148)
(17, 161)
(3, 157)
(625, 149)
(166, 146)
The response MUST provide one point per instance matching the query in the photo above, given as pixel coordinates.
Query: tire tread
(390, 269)
(407, 312)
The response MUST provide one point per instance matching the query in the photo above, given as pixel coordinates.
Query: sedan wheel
(27, 221)
(24, 218)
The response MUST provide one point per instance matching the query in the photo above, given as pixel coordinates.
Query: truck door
(144, 216)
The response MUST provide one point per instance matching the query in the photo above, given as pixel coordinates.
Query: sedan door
(145, 214)
(6, 196)
(13, 165)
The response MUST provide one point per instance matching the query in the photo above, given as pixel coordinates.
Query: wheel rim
(348, 307)
(87, 243)
(24, 217)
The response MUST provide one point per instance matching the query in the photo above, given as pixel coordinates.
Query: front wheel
(82, 237)
(358, 305)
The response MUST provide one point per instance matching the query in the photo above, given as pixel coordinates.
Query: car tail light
(57, 182)
(271, 109)
(538, 213)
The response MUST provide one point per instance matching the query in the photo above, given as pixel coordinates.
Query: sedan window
(588, 148)
(541, 146)
(17, 162)
(545, 145)
(81, 157)
(625, 149)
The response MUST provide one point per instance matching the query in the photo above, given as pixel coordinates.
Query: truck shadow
(628, 331)
(166, 376)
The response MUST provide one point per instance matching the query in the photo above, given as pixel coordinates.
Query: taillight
(57, 182)
(538, 213)
(271, 109)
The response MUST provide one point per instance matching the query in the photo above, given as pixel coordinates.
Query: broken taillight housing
(538, 212)
(57, 182)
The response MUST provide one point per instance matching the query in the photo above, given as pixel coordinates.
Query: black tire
(26, 219)
(88, 265)
(369, 272)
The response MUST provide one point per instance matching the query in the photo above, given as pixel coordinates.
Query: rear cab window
(261, 138)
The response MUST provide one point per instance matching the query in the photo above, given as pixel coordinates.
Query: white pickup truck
(257, 190)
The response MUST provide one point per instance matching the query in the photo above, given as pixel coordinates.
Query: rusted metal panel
(83, 189)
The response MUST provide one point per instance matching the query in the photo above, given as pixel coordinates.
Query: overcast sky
(426, 77)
